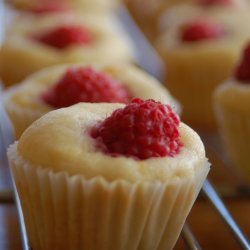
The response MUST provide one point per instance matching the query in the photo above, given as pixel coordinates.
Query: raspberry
(215, 2)
(142, 129)
(84, 84)
(64, 36)
(198, 30)
(242, 72)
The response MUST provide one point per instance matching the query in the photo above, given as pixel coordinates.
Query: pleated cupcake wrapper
(235, 132)
(21, 118)
(196, 94)
(198, 108)
(63, 212)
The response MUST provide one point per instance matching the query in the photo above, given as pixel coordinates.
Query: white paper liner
(63, 212)
(234, 129)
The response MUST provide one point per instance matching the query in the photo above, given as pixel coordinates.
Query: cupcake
(199, 53)
(36, 43)
(153, 15)
(107, 176)
(62, 86)
(231, 102)
(203, 8)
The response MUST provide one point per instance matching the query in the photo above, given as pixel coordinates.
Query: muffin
(187, 9)
(231, 103)
(35, 43)
(97, 176)
(62, 86)
(152, 15)
(199, 53)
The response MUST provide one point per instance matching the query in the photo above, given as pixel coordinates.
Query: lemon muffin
(62, 86)
(107, 176)
(199, 53)
(153, 15)
(35, 43)
(202, 8)
(231, 102)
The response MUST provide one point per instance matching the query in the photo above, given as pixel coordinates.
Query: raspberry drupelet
(198, 30)
(142, 129)
(85, 84)
(65, 36)
(242, 72)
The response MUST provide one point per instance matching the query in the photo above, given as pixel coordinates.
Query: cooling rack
(148, 59)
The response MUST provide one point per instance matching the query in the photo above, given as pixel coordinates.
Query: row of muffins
(201, 43)
(96, 175)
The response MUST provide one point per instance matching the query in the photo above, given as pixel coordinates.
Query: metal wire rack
(154, 67)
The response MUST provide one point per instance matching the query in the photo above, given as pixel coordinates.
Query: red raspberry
(198, 30)
(85, 85)
(215, 2)
(64, 36)
(242, 72)
(142, 129)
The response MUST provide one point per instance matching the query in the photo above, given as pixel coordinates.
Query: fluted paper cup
(234, 130)
(71, 212)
